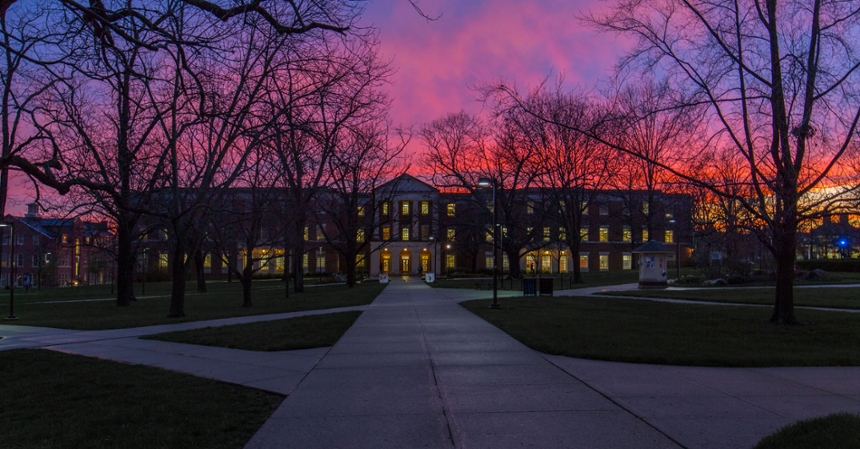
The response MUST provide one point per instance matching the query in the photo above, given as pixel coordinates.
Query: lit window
(207, 261)
(488, 260)
(305, 261)
(404, 234)
(505, 264)
(359, 261)
(450, 261)
(386, 233)
(359, 236)
(669, 236)
(451, 207)
(451, 234)
(644, 235)
(63, 239)
(604, 233)
(604, 262)
(425, 208)
(404, 207)
(546, 263)
(627, 261)
(583, 233)
(584, 207)
(489, 236)
(279, 264)
(530, 207)
(626, 234)
(162, 260)
(320, 261)
(645, 207)
(385, 208)
(306, 234)
(562, 234)
(546, 234)
(562, 263)
(320, 232)
(360, 211)
(583, 261)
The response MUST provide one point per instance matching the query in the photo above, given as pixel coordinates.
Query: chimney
(33, 210)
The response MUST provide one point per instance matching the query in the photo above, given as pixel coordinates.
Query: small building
(653, 262)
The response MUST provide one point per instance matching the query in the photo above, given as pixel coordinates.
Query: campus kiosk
(653, 260)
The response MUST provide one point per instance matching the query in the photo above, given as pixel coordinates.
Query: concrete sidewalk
(416, 370)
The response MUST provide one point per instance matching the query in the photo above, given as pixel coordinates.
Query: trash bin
(546, 286)
(530, 287)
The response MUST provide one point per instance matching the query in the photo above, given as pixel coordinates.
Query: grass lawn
(840, 298)
(305, 332)
(638, 331)
(224, 300)
(50, 399)
(561, 281)
(837, 431)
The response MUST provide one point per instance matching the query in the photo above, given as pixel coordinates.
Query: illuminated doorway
(385, 262)
(405, 262)
(425, 261)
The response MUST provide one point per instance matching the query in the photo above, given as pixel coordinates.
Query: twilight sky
(483, 40)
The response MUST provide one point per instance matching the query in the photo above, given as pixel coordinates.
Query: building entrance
(405, 262)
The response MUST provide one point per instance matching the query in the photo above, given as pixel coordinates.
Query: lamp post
(487, 182)
(447, 250)
(11, 268)
(433, 265)
(678, 244)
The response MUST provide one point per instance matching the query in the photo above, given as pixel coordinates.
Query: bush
(832, 265)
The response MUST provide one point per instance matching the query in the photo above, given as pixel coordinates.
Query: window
(531, 261)
(451, 234)
(404, 207)
(530, 207)
(450, 261)
(425, 232)
(359, 261)
(164, 234)
(604, 261)
(505, 264)
(360, 211)
(604, 209)
(488, 260)
(20, 261)
(306, 234)
(626, 234)
(562, 263)
(669, 236)
(584, 207)
(386, 208)
(451, 207)
(35, 261)
(5, 240)
(63, 238)
(19, 240)
(645, 207)
(583, 233)
(386, 233)
(320, 232)
(64, 259)
(604, 233)
(562, 234)
(546, 263)
(36, 240)
(546, 234)
(6, 260)
(644, 235)
(279, 264)
(305, 262)
(627, 261)
(489, 235)
(425, 208)
(404, 234)
(207, 263)
(359, 236)
(225, 263)
(320, 261)
(162, 260)
(583, 261)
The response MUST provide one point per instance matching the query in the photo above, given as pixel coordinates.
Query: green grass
(55, 400)
(224, 300)
(561, 282)
(305, 332)
(638, 331)
(836, 431)
(836, 297)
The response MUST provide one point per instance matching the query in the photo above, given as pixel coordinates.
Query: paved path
(417, 370)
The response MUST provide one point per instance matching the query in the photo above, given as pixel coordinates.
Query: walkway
(417, 370)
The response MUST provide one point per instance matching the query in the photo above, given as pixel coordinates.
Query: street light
(447, 251)
(11, 267)
(487, 182)
(433, 265)
(678, 244)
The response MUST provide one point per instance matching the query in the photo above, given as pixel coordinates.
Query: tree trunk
(299, 251)
(177, 292)
(784, 246)
(574, 255)
(514, 263)
(198, 266)
(246, 280)
(124, 264)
